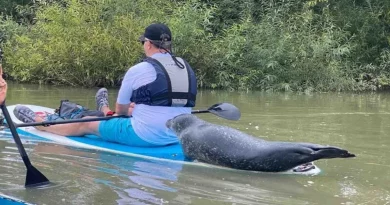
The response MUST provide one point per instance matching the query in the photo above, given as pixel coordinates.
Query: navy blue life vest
(173, 87)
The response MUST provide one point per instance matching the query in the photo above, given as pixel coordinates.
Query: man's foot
(24, 114)
(101, 98)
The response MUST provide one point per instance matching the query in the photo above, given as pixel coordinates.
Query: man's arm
(138, 75)
(122, 109)
(126, 90)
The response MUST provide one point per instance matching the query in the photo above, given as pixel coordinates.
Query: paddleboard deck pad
(173, 153)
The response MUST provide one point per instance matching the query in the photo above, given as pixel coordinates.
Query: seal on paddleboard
(228, 147)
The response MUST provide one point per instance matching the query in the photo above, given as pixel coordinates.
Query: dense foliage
(289, 45)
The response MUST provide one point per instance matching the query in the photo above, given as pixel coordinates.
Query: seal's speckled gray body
(225, 146)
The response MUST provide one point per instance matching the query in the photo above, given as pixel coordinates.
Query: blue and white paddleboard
(173, 153)
(8, 200)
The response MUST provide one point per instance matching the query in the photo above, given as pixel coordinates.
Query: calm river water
(357, 122)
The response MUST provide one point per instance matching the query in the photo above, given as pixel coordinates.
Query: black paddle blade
(225, 110)
(35, 178)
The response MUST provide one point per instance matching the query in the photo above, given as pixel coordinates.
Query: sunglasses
(143, 41)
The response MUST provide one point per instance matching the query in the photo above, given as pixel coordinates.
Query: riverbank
(300, 46)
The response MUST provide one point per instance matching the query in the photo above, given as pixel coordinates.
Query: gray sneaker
(101, 98)
(24, 114)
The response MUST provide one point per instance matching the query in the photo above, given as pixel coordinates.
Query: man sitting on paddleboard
(162, 87)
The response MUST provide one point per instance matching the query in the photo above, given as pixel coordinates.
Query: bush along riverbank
(294, 45)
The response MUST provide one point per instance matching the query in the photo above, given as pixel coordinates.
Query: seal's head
(181, 122)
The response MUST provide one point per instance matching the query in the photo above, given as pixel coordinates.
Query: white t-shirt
(148, 121)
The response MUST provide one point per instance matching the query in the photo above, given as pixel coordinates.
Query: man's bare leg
(105, 110)
(71, 129)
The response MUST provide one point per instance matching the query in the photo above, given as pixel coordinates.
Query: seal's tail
(331, 152)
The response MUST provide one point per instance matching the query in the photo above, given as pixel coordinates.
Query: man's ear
(150, 45)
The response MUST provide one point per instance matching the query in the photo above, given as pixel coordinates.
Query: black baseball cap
(157, 32)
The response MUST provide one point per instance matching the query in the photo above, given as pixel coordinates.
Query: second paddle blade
(226, 110)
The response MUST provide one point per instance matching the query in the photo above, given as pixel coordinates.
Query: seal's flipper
(331, 152)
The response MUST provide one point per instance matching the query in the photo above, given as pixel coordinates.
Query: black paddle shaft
(15, 135)
(224, 110)
(200, 111)
(48, 123)
(33, 177)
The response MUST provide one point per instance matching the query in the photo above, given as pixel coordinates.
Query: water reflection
(132, 179)
(101, 178)
(242, 187)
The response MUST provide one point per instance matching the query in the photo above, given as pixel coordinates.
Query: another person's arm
(3, 86)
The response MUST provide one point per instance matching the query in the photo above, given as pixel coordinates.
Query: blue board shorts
(120, 130)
